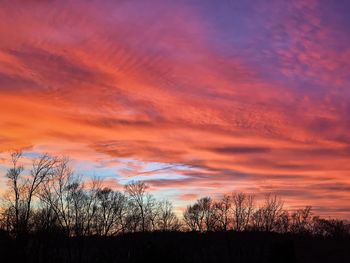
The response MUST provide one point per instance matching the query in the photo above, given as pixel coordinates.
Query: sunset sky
(196, 97)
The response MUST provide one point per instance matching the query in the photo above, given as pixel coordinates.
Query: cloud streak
(248, 95)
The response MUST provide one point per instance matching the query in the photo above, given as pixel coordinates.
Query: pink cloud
(107, 81)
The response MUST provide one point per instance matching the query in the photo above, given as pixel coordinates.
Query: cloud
(240, 150)
(257, 100)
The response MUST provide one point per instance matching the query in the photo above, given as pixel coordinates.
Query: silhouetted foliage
(49, 214)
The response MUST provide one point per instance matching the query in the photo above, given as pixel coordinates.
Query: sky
(196, 97)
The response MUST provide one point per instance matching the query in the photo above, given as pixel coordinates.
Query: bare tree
(330, 227)
(223, 209)
(151, 212)
(202, 216)
(26, 187)
(90, 204)
(194, 217)
(137, 192)
(209, 210)
(132, 220)
(143, 203)
(42, 169)
(13, 174)
(48, 196)
(301, 220)
(283, 222)
(258, 219)
(271, 211)
(57, 194)
(111, 207)
(167, 219)
(242, 210)
(44, 219)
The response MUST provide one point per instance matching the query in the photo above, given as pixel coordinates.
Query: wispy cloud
(241, 95)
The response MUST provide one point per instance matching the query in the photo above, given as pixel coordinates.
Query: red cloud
(108, 83)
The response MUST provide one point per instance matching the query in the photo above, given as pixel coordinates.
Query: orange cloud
(153, 83)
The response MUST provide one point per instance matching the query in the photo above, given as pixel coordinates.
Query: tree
(167, 220)
(74, 204)
(242, 210)
(334, 228)
(25, 188)
(209, 211)
(45, 220)
(48, 196)
(143, 205)
(283, 222)
(202, 215)
(223, 209)
(258, 219)
(90, 205)
(301, 220)
(271, 211)
(111, 207)
(58, 194)
(194, 217)
(13, 174)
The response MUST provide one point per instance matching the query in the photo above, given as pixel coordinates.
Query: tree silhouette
(111, 207)
(143, 203)
(49, 205)
(167, 221)
(223, 210)
(242, 210)
(25, 188)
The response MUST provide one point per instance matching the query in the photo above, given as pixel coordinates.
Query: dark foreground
(177, 247)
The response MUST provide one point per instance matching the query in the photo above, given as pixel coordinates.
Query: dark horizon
(51, 215)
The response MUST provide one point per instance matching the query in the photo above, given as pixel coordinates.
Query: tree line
(50, 198)
(238, 212)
